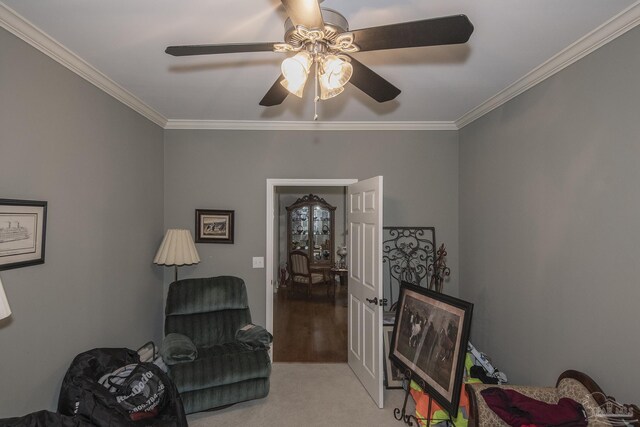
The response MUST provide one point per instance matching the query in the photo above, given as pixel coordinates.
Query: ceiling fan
(321, 37)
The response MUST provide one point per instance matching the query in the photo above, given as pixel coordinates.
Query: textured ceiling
(125, 40)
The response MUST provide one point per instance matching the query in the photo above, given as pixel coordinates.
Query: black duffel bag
(82, 396)
(44, 419)
(137, 389)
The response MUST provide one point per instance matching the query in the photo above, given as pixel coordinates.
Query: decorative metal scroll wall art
(439, 270)
(407, 253)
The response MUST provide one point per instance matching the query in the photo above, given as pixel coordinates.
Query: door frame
(272, 183)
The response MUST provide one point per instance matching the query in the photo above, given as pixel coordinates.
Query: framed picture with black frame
(429, 340)
(214, 226)
(23, 229)
(393, 376)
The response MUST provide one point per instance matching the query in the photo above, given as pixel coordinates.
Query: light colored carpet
(309, 395)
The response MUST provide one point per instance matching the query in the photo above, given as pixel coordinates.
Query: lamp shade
(326, 91)
(177, 248)
(5, 311)
(336, 71)
(295, 71)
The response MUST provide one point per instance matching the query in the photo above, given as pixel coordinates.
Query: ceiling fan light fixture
(336, 71)
(295, 89)
(295, 71)
(327, 92)
(322, 36)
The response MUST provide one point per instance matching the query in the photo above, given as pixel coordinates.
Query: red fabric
(518, 410)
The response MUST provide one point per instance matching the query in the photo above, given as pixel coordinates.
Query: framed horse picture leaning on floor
(429, 340)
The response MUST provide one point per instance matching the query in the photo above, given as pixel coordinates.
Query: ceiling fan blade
(428, 32)
(371, 83)
(211, 49)
(304, 12)
(276, 94)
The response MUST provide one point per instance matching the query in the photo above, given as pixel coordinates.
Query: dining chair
(301, 272)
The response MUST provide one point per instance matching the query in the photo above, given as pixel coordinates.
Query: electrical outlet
(258, 262)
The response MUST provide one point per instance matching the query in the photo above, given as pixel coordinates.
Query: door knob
(375, 301)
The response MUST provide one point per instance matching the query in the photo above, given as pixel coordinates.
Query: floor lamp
(177, 249)
(5, 311)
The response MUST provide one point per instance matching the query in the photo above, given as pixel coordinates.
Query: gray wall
(549, 235)
(229, 169)
(548, 205)
(100, 167)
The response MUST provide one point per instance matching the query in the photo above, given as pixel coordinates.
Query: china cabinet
(310, 228)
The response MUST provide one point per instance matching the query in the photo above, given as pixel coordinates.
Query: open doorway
(313, 328)
(365, 296)
(310, 322)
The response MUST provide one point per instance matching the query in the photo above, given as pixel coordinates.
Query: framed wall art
(430, 338)
(214, 226)
(393, 376)
(407, 253)
(23, 227)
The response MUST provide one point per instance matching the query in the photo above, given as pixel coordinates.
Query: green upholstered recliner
(210, 312)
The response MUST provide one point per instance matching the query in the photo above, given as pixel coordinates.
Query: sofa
(572, 384)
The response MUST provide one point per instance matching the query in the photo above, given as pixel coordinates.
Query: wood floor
(311, 329)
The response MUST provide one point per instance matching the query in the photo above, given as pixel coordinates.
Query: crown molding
(613, 28)
(306, 125)
(25, 30)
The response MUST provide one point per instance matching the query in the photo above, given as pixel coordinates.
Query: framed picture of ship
(23, 227)
(214, 226)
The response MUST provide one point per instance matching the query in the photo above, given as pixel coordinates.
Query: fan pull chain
(315, 98)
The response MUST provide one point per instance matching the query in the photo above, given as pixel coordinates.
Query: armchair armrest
(254, 336)
(583, 389)
(178, 348)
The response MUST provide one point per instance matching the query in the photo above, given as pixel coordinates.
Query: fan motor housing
(334, 24)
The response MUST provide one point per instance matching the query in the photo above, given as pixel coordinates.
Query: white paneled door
(364, 219)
